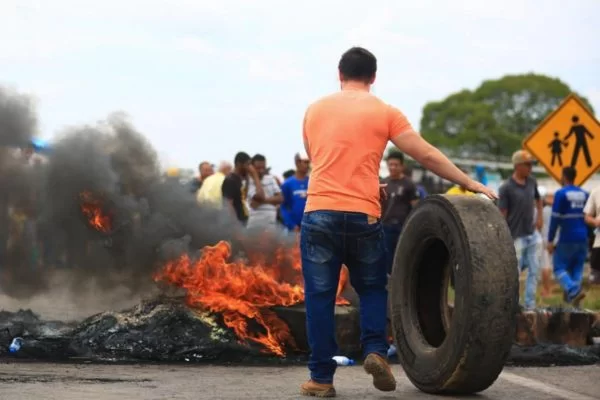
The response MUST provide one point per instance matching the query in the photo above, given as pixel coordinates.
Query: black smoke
(153, 219)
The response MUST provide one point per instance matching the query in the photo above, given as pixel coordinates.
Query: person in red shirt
(345, 135)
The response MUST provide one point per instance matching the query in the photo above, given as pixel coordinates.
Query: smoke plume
(43, 230)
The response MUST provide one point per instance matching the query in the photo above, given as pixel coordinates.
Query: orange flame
(91, 207)
(242, 291)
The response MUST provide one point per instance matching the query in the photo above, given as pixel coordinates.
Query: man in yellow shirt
(210, 191)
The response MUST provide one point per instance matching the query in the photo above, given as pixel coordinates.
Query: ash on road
(48, 381)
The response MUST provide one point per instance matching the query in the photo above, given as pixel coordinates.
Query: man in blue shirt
(570, 252)
(294, 194)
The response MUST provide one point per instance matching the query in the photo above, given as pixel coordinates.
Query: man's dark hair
(569, 173)
(241, 158)
(258, 157)
(202, 164)
(358, 64)
(288, 173)
(395, 155)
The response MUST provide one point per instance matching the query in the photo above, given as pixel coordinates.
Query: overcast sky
(205, 79)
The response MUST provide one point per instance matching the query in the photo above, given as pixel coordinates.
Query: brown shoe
(383, 378)
(577, 299)
(315, 389)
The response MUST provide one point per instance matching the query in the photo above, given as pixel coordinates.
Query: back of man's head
(358, 64)
(225, 167)
(569, 174)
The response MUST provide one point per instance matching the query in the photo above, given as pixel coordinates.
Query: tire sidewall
(430, 221)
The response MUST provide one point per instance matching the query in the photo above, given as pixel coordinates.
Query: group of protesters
(257, 198)
(553, 233)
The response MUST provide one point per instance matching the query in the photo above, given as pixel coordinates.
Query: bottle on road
(342, 360)
(15, 345)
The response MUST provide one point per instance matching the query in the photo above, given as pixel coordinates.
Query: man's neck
(355, 85)
(300, 175)
(519, 179)
(397, 176)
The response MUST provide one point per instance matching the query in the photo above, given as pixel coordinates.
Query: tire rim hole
(434, 293)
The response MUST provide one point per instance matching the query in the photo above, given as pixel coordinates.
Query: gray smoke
(152, 220)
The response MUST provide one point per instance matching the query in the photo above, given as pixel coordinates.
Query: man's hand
(382, 191)
(550, 248)
(252, 170)
(478, 187)
(539, 223)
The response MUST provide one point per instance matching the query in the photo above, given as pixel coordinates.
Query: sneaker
(315, 389)
(383, 378)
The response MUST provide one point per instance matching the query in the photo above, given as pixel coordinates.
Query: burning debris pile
(165, 330)
(99, 210)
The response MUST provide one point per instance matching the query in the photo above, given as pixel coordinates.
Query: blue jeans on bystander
(329, 239)
(568, 260)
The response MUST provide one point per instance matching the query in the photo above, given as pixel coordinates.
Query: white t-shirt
(592, 208)
(264, 213)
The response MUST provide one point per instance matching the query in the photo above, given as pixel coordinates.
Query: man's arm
(254, 200)
(539, 205)
(413, 194)
(405, 138)
(276, 198)
(504, 199)
(259, 194)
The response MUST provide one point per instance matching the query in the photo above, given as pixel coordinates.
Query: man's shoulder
(341, 95)
(234, 178)
(506, 185)
(531, 180)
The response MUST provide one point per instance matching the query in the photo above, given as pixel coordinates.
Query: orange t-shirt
(347, 133)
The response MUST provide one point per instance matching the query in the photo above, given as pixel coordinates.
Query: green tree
(491, 121)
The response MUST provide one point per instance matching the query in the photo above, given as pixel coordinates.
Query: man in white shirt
(263, 201)
(592, 218)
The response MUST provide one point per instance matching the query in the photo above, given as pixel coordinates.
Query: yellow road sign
(570, 136)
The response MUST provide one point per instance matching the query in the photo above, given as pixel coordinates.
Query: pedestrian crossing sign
(569, 136)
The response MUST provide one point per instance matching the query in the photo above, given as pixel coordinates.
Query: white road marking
(544, 387)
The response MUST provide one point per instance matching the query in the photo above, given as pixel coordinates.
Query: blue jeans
(392, 234)
(329, 239)
(528, 250)
(569, 260)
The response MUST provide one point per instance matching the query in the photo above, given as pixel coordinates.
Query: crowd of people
(257, 198)
(553, 233)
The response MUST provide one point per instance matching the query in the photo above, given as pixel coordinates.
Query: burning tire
(463, 350)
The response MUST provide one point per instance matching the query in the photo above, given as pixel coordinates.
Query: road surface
(23, 381)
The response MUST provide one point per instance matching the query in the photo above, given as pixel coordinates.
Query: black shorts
(595, 259)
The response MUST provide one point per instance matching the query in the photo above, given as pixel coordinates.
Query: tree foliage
(491, 121)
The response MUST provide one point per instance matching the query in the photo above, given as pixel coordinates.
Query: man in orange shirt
(345, 135)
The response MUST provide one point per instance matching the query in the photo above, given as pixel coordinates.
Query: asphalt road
(22, 381)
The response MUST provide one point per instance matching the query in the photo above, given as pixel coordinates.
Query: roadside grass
(555, 298)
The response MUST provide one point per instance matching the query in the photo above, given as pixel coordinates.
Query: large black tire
(464, 353)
